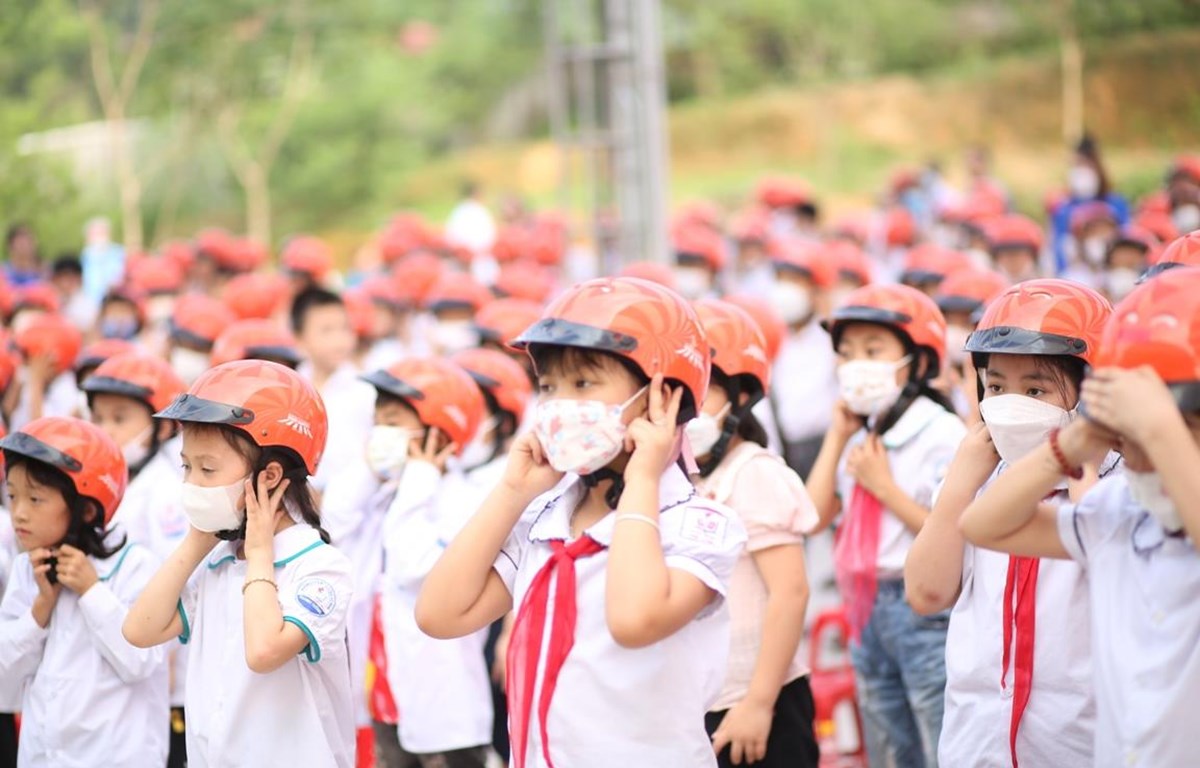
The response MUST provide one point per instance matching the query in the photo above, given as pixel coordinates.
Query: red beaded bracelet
(1071, 472)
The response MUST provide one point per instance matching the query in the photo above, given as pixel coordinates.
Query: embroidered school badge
(703, 526)
(317, 596)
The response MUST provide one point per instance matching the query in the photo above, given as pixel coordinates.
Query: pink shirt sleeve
(774, 506)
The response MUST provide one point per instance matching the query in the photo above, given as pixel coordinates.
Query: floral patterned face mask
(582, 436)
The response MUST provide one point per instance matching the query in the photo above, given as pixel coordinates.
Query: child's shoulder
(701, 523)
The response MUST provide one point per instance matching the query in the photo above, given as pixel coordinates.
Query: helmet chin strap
(612, 496)
(908, 395)
(728, 429)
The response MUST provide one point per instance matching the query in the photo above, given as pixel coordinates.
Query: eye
(1034, 392)
(582, 383)
(994, 389)
(544, 388)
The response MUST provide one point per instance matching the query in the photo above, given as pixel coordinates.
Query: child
(196, 323)
(1134, 532)
(649, 636)
(433, 409)
(265, 619)
(963, 297)
(1018, 663)
(453, 301)
(887, 451)
(48, 345)
(765, 711)
(89, 698)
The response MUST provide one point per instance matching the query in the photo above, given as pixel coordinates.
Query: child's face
(604, 379)
(124, 419)
(868, 341)
(209, 460)
(327, 337)
(1127, 257)
(1022, 375)
(715, 399)
(1016, 263)
(393, 413)
(39, 513)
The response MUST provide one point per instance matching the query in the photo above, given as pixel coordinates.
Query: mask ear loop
(908, 395)
(729, 427)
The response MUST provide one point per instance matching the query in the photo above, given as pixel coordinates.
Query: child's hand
(528, 473)
(976, 458)
(845, 421)
(429, 452)
(1132, 402)
(650, 439)
(1084, 442)
(43, 562)
(75, 570)
(41, 370)
(264, 508)
(744, 730)
(868, 464)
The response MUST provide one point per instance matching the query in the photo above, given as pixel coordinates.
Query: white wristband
(637, 518)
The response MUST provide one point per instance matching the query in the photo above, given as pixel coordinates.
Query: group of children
(424, 522)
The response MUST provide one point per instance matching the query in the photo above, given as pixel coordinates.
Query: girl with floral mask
(1018, 687)
(1133, 533)
(597, 536)
(264, 616)
(886, 453)
(765, 712)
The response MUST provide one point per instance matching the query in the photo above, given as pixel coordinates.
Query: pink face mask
(581, 436)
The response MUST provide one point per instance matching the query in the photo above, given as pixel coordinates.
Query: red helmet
(1159, 223)
(179, 253)
(442, 393)
(783, 193)
(808, 258)
(899, 229)
(50, 334)
(651, 326)
(549, 241)
(98, 351)
(503, 320)
(752, 226)
(307, 255)
(1138, 237)
(851, 261)
(156, 277)
(415, 274)
(360, 308)
(1158, 324)
(500, 376)
(81, 451)
(1183, 250)
(905, 310)
(1187, 166)
(270, 403)
(9, 362)
(512, 243)
(255, 340)
(1013, 231)
(931, 263)
(525, 280)
(137, 375)
(698, 213)
(1043, 317)
(218, 245)
(773, 328)
(256, 295)
(457, 290)
(247, 256)
(1086, 214)
(855, 228)
(37, 296)
(198, 320)
(739, 349)
(968, 290)
(654, 271)
(407, 232)
(699, 245)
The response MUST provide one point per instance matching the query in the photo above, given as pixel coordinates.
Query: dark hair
(1089, 150)
(749, 427)
(918, 385)
(86, 530)
(1063, 370)
(506, 423)
(298, 494)
(554, 357)
(308, 300)
(67, 264)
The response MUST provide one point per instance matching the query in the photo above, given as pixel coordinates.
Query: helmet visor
(27, 445)
(565, 333)
(196, 409)
(1004, 339)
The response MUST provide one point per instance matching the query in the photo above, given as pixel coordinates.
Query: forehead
(866, 333)
(110, 402)
(1013, 366)
(393, 408)
(206, 442)
(572, 362)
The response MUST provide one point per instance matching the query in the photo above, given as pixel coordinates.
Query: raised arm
(822, 480)
(154, 617)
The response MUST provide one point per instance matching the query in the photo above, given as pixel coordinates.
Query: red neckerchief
(382, 703)
(1020, 613)
(856, 558)
(525, 644)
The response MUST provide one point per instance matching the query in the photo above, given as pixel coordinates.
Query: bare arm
(821, 482)
(154, 616)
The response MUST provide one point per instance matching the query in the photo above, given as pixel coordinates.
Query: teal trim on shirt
(117, 567)
(277, 564)
(186, 633)
(312, 651)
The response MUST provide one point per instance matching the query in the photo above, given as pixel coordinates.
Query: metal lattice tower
(607, 97)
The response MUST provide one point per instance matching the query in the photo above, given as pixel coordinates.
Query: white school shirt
(298, 715)
(805, 383)
(352, 511)
(61, 399)
(616, 706)
(350, 406)
(1145, 628)
(9, 701)
(919, 448)
(1058, 725)
(150, 512)
(89, 697)
(442, 688)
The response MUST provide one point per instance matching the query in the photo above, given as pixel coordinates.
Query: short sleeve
(705, 540)
(316, 598)
(936, 459)
(1083, 526)
(189, 600)
(509, 560)
(772, 503)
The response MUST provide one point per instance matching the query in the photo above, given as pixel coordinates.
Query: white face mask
(213, 509)
(704, 431)
(693, 282)
(451, 336)
(1186, 218)
(1018, 424)
(136, 450)
(581, 436)
(1095, 250)
(1147, 491)
(956, 340)
(869, 387)
(479, 451)
(1120, 282)
(1083, 182)
(189, 364)
(387, 450)
(790, 301)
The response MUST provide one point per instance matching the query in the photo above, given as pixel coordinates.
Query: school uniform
(350, 406)
(807, 365)
(615, 706)
(442, 687)
(60, 399)
(1145, 628)
(899, 657)
(299, 714)
(89, 698)
(150, 513)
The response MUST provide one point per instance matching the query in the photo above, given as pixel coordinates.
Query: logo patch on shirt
(317, 596)
(703, 526)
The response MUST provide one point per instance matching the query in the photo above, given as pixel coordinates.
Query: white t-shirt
(471, 225)
(350, 406)
(89, 697)
(806, 387)
(299, 714)
(919, 447)
(1145, 628)
(616, 706)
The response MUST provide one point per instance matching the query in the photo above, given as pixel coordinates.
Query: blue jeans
(900, 668)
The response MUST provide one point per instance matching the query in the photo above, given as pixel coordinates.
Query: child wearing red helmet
(89, 697)
(45, 384)
(892, 437)
(1134, 533)
(595, 508)
(264, 618)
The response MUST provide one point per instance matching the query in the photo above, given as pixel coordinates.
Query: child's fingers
(431, 439)
(720, 740)
(277, 496)
(251, 499)
(656, 411)
(445, 454)
(673, 405)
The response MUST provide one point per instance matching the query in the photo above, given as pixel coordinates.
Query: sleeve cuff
(758, 541)
(185, 634)
(97, 603)
(706, 577)
(30, 628)
(312, 651)
(506, 566)
(1068, 533)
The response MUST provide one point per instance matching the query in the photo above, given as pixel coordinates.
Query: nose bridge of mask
(1018, 410)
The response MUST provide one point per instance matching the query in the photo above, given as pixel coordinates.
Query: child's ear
(273, 474)
(165, 430)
